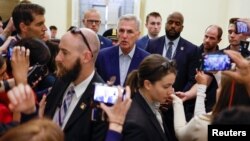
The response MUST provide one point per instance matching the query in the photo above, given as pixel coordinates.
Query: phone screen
(10, 49)
(241, 27)
(106, 94)
(216, 62)
(38, 71)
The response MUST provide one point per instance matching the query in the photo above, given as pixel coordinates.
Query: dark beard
(71, 74)
(172, 37)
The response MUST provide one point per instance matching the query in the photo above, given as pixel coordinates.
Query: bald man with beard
(78, 50)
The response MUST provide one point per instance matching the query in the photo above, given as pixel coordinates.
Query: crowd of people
(47, 84)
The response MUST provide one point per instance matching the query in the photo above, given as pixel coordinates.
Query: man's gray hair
(131, 17)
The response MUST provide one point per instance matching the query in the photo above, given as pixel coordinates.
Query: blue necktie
(169, 51)
(65, 105)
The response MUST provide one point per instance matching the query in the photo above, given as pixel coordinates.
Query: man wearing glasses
(92, 20)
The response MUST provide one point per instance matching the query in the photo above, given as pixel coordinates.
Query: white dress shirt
(124, 63)
(79, 90)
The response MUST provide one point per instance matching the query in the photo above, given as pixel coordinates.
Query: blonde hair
(35, 130)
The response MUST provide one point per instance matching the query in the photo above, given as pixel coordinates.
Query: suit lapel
(134, 61)
(84, 103)
(179, 49)
(115, 62)
(55, 98)
(161, 45)
(79, 109)
(151, 116)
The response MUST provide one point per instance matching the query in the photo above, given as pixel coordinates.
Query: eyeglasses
(76, 30)
(93, 21)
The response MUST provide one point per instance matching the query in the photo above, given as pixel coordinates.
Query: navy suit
(79, 126)
(141, 123)
(104, 42)
(186, 58)
(113, 136)
(107, 63)
(142, 42)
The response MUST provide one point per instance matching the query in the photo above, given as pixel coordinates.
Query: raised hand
(22, 99)
(117, 112)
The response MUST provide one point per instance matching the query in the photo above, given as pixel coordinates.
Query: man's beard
(69, 74)
(171, 36)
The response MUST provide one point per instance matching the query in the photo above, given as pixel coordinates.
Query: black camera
(37, 71)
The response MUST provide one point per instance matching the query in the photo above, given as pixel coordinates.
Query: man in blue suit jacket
(104, 42)
(184, 53)
(120, 60)
(153, 24)
(92, 20)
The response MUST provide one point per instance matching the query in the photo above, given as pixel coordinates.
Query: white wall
(199, 14)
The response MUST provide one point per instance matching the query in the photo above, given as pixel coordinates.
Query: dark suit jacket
(104, 42)
(107, 63)
(79, 126)
(113, 136)
(142, 42)
(186, 58)
(141, 123)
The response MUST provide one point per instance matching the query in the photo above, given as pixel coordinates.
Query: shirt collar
(151, 37)
(153, 105)
(131, 53)
(176, 41)
(81, 87)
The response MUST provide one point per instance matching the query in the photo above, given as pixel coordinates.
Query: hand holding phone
(106, 94)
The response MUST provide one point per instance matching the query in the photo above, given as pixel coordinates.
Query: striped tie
(169, 51)
(65, 105)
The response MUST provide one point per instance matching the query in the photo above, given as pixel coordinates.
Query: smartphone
(216, 62)
(241, 27)
(36, 72)
(106, 94)
(10, 49)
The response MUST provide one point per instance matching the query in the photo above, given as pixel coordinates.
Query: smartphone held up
(217, 62)
(241, 27)
(106, 94)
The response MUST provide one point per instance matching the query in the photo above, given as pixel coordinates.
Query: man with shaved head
(69, 103)
(174, 47)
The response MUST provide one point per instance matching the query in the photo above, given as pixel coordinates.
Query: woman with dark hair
(151, 85)
(40, 56)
